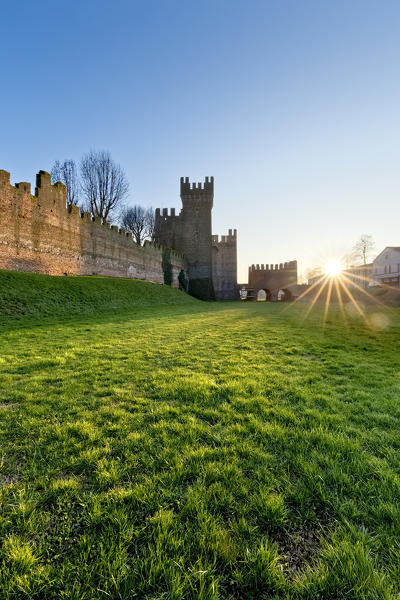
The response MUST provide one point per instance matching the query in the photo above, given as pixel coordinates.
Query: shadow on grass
(12, 323)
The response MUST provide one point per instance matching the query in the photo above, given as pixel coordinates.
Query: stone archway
(263, 295)
(285, 295)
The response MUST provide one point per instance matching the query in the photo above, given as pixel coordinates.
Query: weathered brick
(38, 234)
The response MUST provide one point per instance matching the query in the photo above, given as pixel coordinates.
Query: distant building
(359, 275)
(386, 266)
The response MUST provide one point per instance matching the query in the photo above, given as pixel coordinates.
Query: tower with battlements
(190, 233)
(224, 265)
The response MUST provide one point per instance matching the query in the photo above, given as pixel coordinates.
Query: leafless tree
(104, 184)
(347, 260)
(150, 224)
(363, 247)
(314, 272)
(139, 221)
(67, 173)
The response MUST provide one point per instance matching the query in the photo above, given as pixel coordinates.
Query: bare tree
(104, 183)
(363, 247)
(150, 223)
(139, 221)
(315, 272)
(67, 173)
(347, 260)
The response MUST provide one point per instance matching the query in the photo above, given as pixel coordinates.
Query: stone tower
(197, 203)
(190, 233)
(224, 266)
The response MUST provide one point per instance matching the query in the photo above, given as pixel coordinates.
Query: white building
(386, 266)
(359, 276)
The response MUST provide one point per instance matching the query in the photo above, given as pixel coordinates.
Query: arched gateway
(272, 281)
(285, 295)
(264, 295)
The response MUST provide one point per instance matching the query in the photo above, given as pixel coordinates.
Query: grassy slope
(24, 294)
(200, 451)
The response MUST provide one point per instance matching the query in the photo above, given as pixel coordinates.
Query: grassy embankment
(157, 447)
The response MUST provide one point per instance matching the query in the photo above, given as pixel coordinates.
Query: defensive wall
(190, 233)
(38, 234)
(272, 279)
(224, 266)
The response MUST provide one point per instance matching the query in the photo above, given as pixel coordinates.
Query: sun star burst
(333, 268)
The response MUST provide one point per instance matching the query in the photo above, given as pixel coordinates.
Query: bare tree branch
(363, 247)
(150, 223)
(66, 172)
(139, 221)
(104, 184)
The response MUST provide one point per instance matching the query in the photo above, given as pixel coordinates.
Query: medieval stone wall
(197, 203)
(271, 278)
(38, 234)
(224, 266)
(190, 233)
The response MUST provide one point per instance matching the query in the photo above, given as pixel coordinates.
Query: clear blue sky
(293, 106)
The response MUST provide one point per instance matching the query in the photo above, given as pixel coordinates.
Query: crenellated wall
(212, 264)
(38, 234)
(224, 266)
(271, 278)
(190, 233)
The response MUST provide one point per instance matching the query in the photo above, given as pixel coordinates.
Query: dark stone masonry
(212, 265)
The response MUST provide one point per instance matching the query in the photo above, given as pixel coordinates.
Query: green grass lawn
(156, 447)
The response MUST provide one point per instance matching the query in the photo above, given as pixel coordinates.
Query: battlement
(43, 180)
(44, 190)
(166, 213)
(225, 239)
(39, 233)
(278, 267)
(20, 189)
(4, 177)
(272, 279)
(197, 189)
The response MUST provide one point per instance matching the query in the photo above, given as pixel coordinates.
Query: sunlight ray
(339, 295)
(315, 299)
(384, 285)
(307, 291)
(327, 301)
(354, 301)
(361, 289)
(347, 274)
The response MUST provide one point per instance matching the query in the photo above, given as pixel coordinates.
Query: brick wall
(38, 234)
(271, 278)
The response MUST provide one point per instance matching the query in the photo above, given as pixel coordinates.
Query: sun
(333, 268)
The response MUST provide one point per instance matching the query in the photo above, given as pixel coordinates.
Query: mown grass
(28, 294)
(199, 451)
